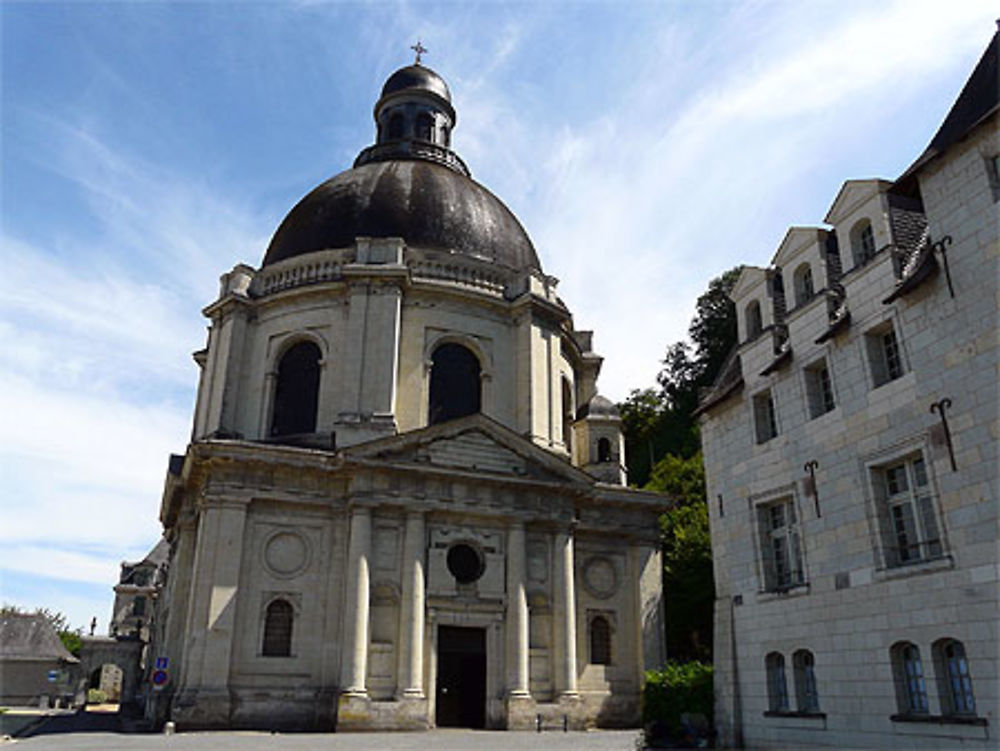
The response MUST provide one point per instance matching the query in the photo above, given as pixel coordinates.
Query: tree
(70, 637)
(661, 422)
(688, 581)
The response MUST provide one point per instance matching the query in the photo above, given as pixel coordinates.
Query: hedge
(675, 689)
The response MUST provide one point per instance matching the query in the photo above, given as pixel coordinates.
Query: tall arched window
(862, 242)
(600, 641)
(777, 687)
(396, 126)
(803, 284)
(425, 127)
(603, 450)
(908, 671)
(278, 629)
(567, 414)
(296, 394)
(455, 383)
(806, 696)
(754, 320)
(954, 680)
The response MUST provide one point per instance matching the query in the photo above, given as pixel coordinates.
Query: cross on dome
(419, 49)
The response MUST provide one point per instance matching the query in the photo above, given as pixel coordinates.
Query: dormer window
(803, 284)
(754, 320)
(862, 242)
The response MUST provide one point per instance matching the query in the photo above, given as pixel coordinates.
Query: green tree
(661, 422)
(688, 581)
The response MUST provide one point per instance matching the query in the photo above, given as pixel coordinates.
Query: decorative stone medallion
(600, 578)
(286, 553)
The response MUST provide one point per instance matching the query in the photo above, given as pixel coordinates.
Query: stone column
(566, 607)
(517, 613)
(355, 648)
(410, 676)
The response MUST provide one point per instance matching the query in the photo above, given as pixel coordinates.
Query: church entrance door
(461, 677)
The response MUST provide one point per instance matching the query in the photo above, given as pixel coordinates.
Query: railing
(269, 281)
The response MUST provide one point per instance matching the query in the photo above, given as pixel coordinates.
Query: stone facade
(383, 566)
(854, 535)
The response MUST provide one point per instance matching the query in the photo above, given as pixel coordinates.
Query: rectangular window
(765, 420)
(780, 546)
(906, 510)
(819, 389)
(885, 356)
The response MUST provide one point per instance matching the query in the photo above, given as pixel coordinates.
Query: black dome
(425, 203)
(416, 77)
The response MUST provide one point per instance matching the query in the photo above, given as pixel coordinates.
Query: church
(403, 505)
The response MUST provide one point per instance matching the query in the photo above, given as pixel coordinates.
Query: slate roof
(30, 637)
(979, 100)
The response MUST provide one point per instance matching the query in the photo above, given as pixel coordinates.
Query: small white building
(850, 447)
(403, 505)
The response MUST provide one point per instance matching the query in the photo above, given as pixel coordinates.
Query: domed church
(403, 505)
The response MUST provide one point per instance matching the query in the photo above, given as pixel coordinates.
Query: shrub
(96, 696)
(677, 688)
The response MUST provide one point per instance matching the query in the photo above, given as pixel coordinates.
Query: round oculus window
(465, 563)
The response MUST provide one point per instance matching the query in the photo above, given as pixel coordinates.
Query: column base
(354, 711)
(202, 709)
(521, 711)
(574, 708)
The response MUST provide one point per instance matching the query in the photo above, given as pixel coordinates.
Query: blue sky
(147, 147)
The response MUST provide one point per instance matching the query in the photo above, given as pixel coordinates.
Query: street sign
(53, 676)
(161, 663)
(160, 678)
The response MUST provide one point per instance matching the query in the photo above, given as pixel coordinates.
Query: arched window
(908, 671)
(396, 126)
(954, 681)
(603, 450)
(425, 127)
(862, 242)
(455, 383)
(567, 414)
(278, 629)
(803, 284)
(777, 688)
(806, 696)
(754, 320)
(600, 641)
(445, 136)
(296, 394)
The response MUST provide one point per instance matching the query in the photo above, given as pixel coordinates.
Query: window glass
(278, 629)
(777, 688)
(908, 511)
(600, 641)
(807, 696)
(296, 393)
(781, 547)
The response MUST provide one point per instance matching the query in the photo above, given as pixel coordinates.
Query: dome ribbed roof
(598, 406)
(426, 204)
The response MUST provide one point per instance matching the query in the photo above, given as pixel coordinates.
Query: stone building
(403, 502)
(851, 453)
(135, 592)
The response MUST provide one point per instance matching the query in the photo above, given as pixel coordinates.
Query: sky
(148, 147)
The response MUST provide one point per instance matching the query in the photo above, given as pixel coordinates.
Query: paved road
(436, 740)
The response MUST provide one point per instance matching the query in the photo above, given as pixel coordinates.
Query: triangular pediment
(852, 194)
(796, 240)
(471, 444)
(749, 279)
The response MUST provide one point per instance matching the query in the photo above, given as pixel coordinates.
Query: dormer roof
(852, 193)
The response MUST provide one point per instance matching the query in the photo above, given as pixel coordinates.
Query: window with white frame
(906, 512)
(764, 417)
(885, 355)
(954, 681)
(780, 545)
(819, 389)
(862, 242)
(806, 696)
(908, 672)
(777, 688)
